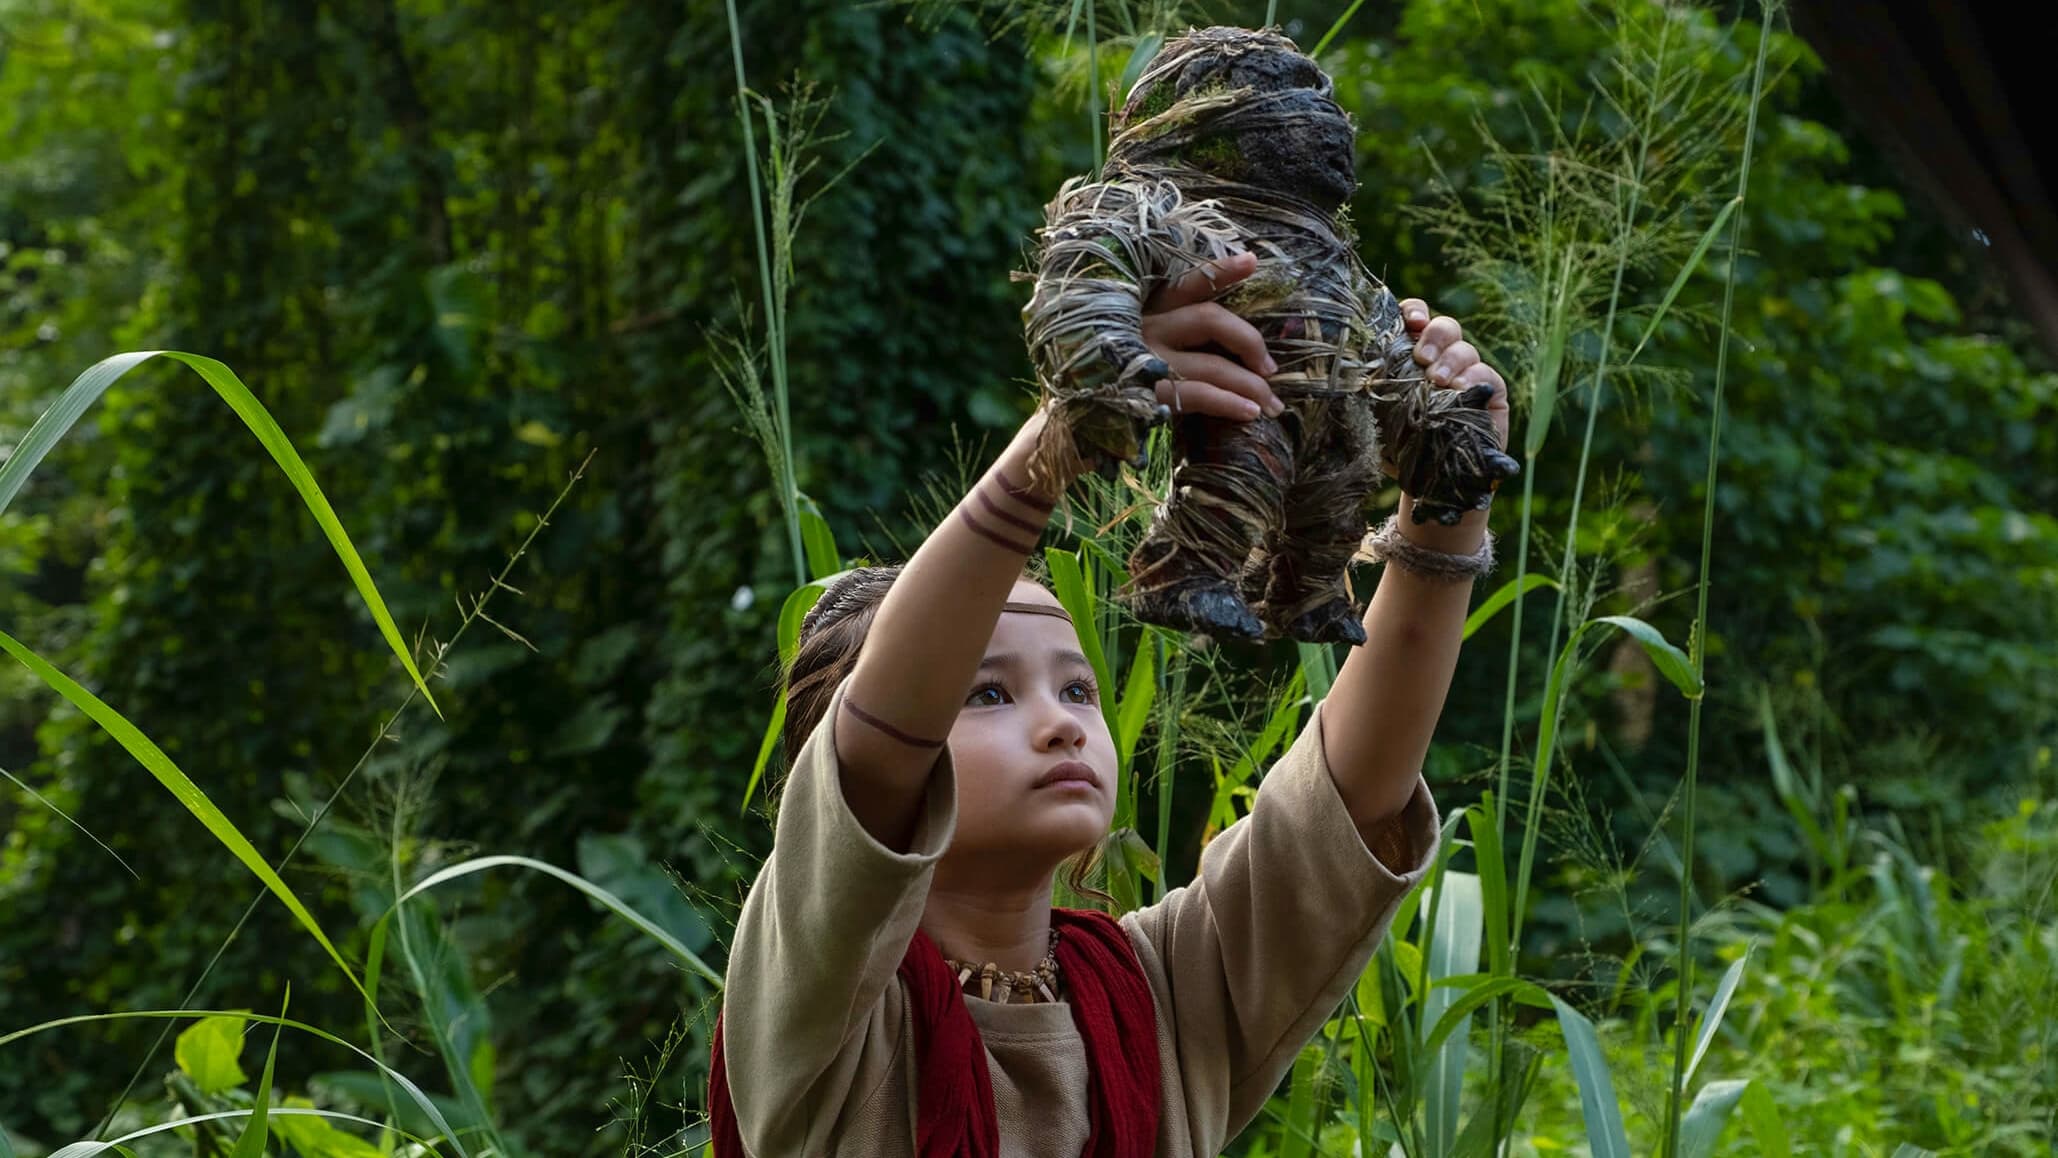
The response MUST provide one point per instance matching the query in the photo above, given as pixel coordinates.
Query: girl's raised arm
(932, 628)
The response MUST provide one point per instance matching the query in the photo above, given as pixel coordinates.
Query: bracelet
(1386, 544)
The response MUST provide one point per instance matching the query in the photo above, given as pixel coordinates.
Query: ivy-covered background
(459, 247)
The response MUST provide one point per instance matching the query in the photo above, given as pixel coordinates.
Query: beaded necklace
(1036, 985)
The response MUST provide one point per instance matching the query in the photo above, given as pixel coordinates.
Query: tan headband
(1037, 609)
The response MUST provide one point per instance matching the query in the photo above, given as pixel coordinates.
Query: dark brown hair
(831, 635)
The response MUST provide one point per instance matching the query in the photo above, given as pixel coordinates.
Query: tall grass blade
(1670, 661)
(1509, 592)
(1605, 1135)
(256, 1135)
(819, 541)
(1761, 1118)
(89, 386)
(1133, 711)
(1455, 951)
(1712, 1020)
(1690, 790)
(1708, 1115)
(181, 786)
(1318, 663)
(45, 802)
(1071, 581)
(1303, 1105)
(1693, 263)
(1477, 992)
(1493, 882)
(414, 1092)
(614, 903)
(88, 1149)
(1336, 28)
(774, 316)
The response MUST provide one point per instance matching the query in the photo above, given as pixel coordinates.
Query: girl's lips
(1069, 772)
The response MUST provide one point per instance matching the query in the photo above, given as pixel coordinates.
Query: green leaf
(795, 609)
(1335, 28)
(1712, 1020)
(1303, 1105)
(1702, 1126)
(819, 541)
(208, 1051)
(1071, 581)
(773, 727)
(1493, 883)
(1670, 660)
(89, 386)
(1605, 1135)
(1318, 664)
(1137, 697)
(251, 1142)
(313, 1137)
(182, 788)
(414, 1092)
(1685, 271)
(1509, 592)
(1453, 950)
(1477, 991)
(1910, 1150)
(480, 864)
(1543, 397)
(1761, 1118)
(67, 817)
(1139, 59)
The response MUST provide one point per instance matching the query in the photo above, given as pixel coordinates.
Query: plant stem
(1092, 86)
(775, 329)
(1699, 642)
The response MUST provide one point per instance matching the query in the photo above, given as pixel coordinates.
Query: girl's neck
(980, 921)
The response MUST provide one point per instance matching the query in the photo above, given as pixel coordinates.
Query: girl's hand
(1193, 333)
(1440, 345)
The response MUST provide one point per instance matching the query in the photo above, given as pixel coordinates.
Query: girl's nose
(1061, 729)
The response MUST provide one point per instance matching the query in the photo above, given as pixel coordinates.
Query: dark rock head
(1285, 132)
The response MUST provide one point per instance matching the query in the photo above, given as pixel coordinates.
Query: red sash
(954, 1116)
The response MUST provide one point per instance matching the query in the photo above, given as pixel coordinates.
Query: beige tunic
(1245, 964)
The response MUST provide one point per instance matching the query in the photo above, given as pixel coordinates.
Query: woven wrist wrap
(1386, 544)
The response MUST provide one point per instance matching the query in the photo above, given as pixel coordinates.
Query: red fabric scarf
(954, 1116)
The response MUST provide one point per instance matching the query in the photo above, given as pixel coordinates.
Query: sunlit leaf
(89, 386)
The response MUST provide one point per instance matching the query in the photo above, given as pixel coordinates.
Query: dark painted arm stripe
(887, 728)
(1019, 495)
(982, 531)
(994, 509)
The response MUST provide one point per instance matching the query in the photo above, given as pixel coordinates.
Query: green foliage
(456, 248)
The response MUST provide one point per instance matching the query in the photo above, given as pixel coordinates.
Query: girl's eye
(1086, 691)
(976, 698)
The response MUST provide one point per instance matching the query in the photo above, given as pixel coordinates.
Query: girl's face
(1035, 763)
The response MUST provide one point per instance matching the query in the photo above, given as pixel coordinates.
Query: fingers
(1194, 326)
(1482, 385)
(1415, 312)
(1244, 394)
(1452, 362)
(1192, 396)
(1438, 335)
(1202, 282)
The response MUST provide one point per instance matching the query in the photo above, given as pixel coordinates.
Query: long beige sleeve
(1285, 913)
(809, 1025)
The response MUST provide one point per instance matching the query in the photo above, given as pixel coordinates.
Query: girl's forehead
(1030, 636)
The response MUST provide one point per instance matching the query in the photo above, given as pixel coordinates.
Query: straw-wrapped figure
(1230, 141)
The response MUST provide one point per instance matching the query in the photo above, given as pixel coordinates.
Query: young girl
(899, 982)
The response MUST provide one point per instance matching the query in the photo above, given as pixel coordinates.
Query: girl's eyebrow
(1010, 659)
